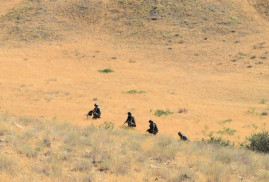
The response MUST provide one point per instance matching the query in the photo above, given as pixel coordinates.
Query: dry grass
(62, 152)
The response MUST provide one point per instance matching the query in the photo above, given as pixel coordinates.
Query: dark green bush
(258, 142)
(107, 70)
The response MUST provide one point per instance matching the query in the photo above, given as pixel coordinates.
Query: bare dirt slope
(207, 57)
(6, 5)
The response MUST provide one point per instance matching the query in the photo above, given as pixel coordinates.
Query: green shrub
(107, 70)
(135, 92)
(159, 112)
(259, 142)
(218, 140)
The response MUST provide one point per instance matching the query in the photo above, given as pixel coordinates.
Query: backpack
(156, 128)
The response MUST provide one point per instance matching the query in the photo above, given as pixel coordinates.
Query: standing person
(153, 129)
(96, 112)
(130, 120)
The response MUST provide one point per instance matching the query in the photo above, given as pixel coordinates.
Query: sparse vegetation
(261, 6)
(225, 121)
(7, 165)
(107, 70)
(161, 38)
(60, 151)
(135, 92)
(227, 130)
(160, 112)
(263, 101)
(218, 140)
(107, 125)
(253, 111)
(42, 20)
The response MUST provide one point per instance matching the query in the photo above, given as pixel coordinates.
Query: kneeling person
(152, 128)
(130, 120)
(96, 112)
(183, 137)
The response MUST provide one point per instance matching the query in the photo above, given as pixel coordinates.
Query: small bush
(107, 70)
(135, 92)
(227, 130)
(185, 174)
(159, 112)
(259, 142)
(46, 142)
(107, 125)
(219, 141)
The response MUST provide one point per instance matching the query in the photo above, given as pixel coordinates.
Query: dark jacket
(153, 128)
(130, 120)
(97, 110)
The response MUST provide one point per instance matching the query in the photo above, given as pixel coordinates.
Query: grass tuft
(160, 112)
(107, 70)
(135, 92)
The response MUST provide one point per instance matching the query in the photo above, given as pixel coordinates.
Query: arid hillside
(196, 66)
(262, 7)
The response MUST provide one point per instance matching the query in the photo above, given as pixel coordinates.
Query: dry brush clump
(58, 151)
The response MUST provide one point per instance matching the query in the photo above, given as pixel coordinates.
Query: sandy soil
(5, 5)
(214, 80)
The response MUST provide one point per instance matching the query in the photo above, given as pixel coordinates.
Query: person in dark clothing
(183, 137)
(96, 112)
(130, 120)
(152, 128)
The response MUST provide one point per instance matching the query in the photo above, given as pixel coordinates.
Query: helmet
(95, 104)
(129, 113)
(150, 121)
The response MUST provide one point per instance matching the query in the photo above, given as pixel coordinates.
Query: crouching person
(96, 112)
(130, 120)
(183, 137)
(153, 129)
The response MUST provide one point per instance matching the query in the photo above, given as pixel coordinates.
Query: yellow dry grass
(36, 150)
